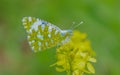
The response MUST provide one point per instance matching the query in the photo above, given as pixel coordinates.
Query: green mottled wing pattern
(43, 35)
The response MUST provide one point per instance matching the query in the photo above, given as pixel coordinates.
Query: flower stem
(70, 66)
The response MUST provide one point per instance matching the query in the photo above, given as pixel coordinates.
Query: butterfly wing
(42, 34)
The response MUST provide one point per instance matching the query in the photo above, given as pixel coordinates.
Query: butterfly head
(64, 32)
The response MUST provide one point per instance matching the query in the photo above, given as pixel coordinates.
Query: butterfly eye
(43, 35)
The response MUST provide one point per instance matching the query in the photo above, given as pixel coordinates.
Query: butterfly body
(43, 35)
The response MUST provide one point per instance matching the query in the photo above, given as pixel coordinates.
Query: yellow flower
(75, 56)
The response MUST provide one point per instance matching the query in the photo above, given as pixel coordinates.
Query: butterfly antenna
(73, 23)
(78, 25)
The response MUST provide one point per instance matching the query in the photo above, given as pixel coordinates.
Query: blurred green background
(101, 22)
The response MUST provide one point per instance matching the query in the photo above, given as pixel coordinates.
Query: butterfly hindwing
(43, 35)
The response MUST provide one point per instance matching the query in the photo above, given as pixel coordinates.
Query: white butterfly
(42, 34)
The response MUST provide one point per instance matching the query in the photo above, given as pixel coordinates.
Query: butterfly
(42, 35)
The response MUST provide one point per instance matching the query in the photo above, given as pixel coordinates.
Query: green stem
(70, 66)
